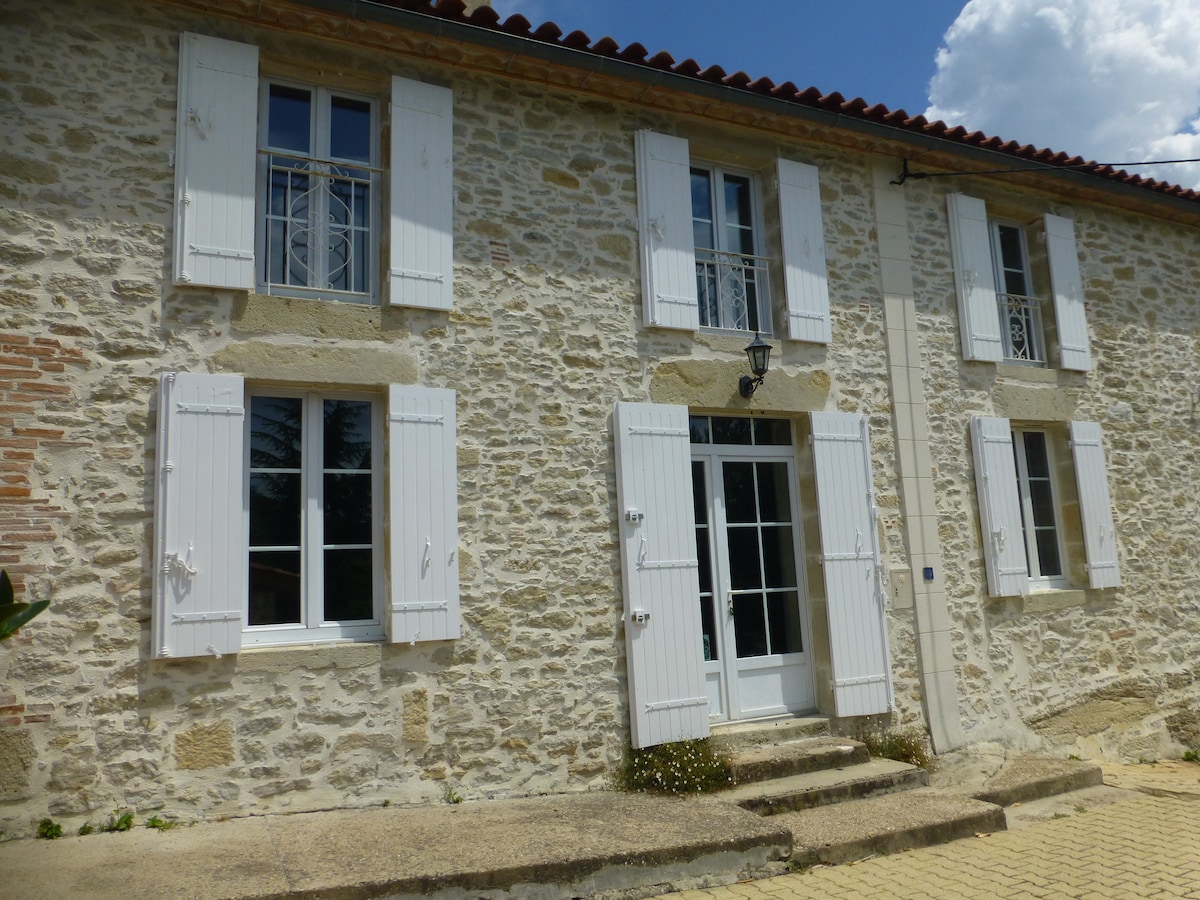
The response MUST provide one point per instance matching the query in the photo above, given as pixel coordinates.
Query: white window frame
(760, 263)
(319, 141)
(1036, 578)
(1026, 303)
(313, 628)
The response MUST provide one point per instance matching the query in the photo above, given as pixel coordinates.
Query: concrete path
(1146, 844)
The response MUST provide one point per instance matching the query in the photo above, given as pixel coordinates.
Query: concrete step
(1026, 778)
(827, 786)
(737, 736)
(845, 832)
(795, 758)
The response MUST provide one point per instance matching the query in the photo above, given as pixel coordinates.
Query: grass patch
(907, 745)
(683, 767)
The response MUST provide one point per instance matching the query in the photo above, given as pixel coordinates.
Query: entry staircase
(841, 804)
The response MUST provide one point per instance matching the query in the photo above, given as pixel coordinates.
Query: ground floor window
(315, 548)
(1039, 515)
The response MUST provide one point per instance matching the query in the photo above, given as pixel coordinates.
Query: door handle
(730, 595)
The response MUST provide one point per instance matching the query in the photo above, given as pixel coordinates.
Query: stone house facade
(370, 414)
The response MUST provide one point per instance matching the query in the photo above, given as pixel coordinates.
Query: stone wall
(544, 336)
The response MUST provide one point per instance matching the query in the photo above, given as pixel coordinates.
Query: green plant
(12, 614)
(86, 828)
(1079, 807)
(1191, 756)
(1073, 757)
(48, 829)
(683, 767)
(118, 822)
(159, 823)
(453, 796)
(902, 744)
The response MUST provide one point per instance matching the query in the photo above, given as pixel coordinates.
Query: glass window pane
(739, 492)
(274, 587)
(699, 492)
(783, 617)
(730, 430)
(350, 129)
(779, 556)
(704, 557)
(749, 626)
(1036, 459)
(275, 509)
(276, 425)
(699, 429)
(348, 509)
(1043, 504)
(774, 504)
(1047, 548)
(702, 208)
(745, 571)
(708, 624)
(289, 115)
(347, 434)
(772, 432)
(737, 200)
(349, 585)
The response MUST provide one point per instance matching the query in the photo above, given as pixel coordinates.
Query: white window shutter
(858, 639)
(200, 544)
(215, 159)
(1066, 283)
(806, 282)
(1095, 506)
(660, 574)
(999, 507)
(422, 197)
(422, 515)
(974, 278)
(669, 293)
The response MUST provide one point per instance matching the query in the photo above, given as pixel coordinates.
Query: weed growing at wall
(48, 830)
(901, 744)
(684, 767)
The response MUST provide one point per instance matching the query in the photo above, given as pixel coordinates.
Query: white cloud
(1109, 80)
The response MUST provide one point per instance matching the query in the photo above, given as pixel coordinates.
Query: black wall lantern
(758, 352)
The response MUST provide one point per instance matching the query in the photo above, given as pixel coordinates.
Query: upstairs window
(703, 260)
(1020, 312)
(1001, 317)
(278, 185)
(731, 273)
(319, 190)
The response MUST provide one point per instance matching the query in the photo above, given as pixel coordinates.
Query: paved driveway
(1134, 849)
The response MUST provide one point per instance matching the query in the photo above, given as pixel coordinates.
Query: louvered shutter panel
(215, 159)
(1066, 283)
(660, 574)
(1095, 506)
(862, 672)
(805, 279)
(201, 550)
(422, 197)
(669, 294)
(422, 515)
(999, 507)
(974, 278)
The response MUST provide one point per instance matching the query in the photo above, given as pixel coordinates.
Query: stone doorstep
(795, 758)
(735, 737)
(833, 835)
(826, 786)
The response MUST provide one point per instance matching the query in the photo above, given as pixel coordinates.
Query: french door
(753, 607)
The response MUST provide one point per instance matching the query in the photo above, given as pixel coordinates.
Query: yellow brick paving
(1141, 849)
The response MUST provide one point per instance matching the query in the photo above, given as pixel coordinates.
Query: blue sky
(1115, 81)
(875, 49)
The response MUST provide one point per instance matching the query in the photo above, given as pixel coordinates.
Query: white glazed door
(752, 599)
